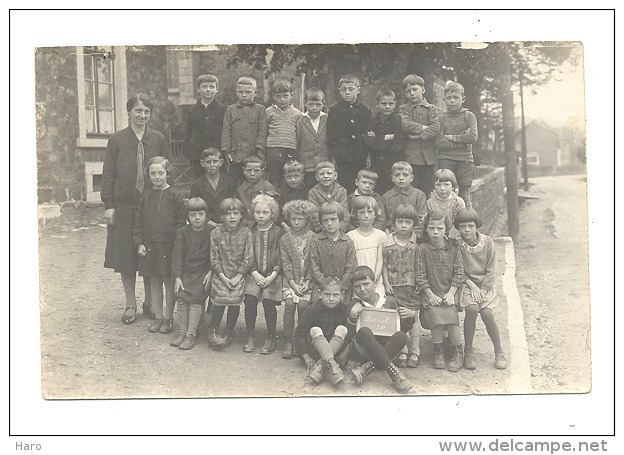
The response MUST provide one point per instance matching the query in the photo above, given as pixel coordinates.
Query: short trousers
(288, 293)
(463, 170)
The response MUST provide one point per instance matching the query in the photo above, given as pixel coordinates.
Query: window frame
(119, 94)
(96, 53)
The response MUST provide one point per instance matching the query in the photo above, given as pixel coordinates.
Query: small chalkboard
(381, 321)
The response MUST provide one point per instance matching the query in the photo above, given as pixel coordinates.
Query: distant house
(543, 145)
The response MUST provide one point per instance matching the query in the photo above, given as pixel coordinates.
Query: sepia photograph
(310, 125)
(314, 218)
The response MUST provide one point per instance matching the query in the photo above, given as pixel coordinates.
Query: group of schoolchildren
(285, 209)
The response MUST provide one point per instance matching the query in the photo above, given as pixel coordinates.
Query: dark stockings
(380, 355)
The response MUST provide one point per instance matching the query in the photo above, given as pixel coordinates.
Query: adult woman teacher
(123, 180)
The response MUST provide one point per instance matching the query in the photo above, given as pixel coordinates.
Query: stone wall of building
(60, 171)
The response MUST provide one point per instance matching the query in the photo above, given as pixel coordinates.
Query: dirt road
(553, 282)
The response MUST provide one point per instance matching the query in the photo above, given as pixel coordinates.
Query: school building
(81, 94)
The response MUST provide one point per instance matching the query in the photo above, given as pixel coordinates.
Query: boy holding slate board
(374, 346)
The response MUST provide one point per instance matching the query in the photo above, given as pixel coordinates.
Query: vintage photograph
(289, 220)
(394, 217)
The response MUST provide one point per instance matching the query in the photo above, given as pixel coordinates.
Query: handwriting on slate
(381, 323)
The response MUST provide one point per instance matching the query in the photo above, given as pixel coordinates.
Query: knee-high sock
(270, 315)
(251, 312)
(380, 355)
(454, 334)
(232, 317)
(338, 339)
(194, 314)
(183, 315)
(415, 337)
(289, 319)
(492, 329)
(301, 307)
(216, 315)
(157, 295)
(322, 347)
(470, 323)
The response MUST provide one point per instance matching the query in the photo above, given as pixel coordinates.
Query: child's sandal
(401, 360)
(128, 318)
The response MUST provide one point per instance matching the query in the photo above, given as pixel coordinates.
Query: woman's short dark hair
(139, 97)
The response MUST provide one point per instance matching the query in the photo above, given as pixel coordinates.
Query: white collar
(305, 114)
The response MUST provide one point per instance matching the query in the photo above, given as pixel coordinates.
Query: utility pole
(511, 159)
(525, 165)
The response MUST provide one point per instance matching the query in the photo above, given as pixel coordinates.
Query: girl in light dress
(367, 239)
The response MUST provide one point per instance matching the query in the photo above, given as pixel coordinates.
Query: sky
(560, 101)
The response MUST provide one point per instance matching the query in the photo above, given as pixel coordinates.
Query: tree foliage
(475, 66)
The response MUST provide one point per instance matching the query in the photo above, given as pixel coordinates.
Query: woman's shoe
(129, 316)
(155, 325)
